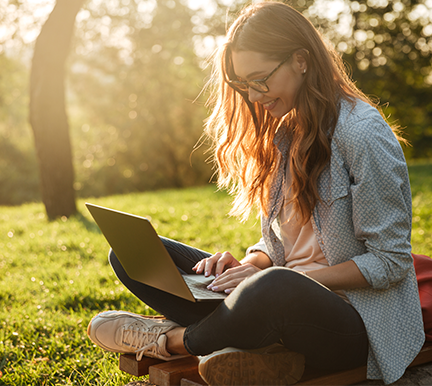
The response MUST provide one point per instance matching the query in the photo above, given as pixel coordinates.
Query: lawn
(55, 275)
(421, 187)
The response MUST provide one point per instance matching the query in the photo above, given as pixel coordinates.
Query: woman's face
(283, 84)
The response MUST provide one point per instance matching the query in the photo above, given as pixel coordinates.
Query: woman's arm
(258, 259)
(381, 198)
(340, 277)
(365, 150)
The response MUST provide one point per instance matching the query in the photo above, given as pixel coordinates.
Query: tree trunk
(48, 112)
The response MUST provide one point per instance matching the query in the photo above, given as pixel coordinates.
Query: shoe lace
(143, 340)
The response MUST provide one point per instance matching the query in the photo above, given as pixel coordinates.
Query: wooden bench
(184, 371)
(162, 373)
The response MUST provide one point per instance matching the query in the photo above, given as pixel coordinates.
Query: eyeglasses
(259, 85)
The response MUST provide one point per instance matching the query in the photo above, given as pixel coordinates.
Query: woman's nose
(254, 95)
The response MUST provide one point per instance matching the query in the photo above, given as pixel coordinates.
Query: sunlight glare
(328, 9)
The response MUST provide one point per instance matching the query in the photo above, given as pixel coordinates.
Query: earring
(304, 71)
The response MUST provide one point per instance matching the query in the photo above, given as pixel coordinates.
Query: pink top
(302, 251)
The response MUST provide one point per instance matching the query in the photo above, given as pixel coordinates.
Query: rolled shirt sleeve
(259, 246)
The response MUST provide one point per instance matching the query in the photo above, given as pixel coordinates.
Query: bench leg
(130, 365)
(171, 373)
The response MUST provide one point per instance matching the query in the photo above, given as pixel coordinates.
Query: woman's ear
(300, 61)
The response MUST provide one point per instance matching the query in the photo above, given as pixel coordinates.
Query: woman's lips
(270, 105)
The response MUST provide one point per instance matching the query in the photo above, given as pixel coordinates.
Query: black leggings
(274, 305)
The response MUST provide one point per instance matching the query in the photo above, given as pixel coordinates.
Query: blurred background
(131, 73)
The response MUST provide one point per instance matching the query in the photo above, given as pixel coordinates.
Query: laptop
(145, 258)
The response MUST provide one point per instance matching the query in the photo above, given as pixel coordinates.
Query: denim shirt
(364, 215)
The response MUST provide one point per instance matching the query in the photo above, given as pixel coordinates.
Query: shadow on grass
(89, 225)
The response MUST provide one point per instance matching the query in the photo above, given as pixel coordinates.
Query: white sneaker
(128, 333)
(272, 365)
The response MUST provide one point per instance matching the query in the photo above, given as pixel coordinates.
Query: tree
(389, 51)
(135, 76)
(393, 61)
(47, 109)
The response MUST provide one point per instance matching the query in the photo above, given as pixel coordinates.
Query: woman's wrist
(258, 258)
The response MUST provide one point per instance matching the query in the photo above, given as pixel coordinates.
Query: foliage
(389, 50)
(139, 123)
(21, 22)
(18, 170)
(137, 66)
(19, 180)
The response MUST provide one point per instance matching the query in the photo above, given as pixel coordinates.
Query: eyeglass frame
(236, 83)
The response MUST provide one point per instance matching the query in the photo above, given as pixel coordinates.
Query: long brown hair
(243, 132)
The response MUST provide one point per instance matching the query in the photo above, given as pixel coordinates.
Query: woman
(332, 279)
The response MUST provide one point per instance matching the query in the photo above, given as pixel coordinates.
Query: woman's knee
(280, 286)
(277, 277)
(266, 286)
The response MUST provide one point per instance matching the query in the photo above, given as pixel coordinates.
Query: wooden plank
(424, 356)
(171, 373)
(129, 364)
(348, 377)
(189, 382)
(351, 377)
(185, 371)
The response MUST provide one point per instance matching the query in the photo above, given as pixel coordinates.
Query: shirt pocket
(338, 220)
(338, 192)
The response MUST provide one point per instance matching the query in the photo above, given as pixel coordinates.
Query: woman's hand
(228, 271)
(216, 264)
(232, 277)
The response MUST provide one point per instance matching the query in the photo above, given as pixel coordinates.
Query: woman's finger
(199, 267)
(233, 283)
(227, 260)
(232, 277)
(210, 263)
(240, 271)
(206, 265)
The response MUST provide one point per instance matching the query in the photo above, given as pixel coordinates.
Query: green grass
(421, 187)
(54, 276)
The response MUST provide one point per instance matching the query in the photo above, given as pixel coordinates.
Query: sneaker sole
(246, 368)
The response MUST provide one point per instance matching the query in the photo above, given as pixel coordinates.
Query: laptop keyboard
(199, 289)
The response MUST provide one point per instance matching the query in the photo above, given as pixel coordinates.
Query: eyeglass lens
(257, 86)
